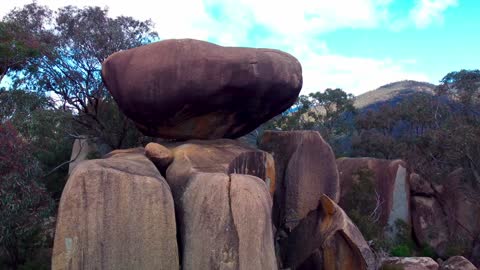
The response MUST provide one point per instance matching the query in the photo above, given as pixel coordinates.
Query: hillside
(392, 92)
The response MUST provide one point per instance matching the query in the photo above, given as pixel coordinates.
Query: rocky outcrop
(430, 225)
(218, 156)
(457, 263)
(305, 170)
(441, 215)
(391, 185)
(223, 205)
(327, 239)
(191, 89)
(409, 263)
(116, 213)
(312, 231)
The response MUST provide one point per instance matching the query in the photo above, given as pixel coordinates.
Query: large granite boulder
(391, 183)
(327, 239)
(223, 205)
(185, 88)
(116, 213)
(305, 170)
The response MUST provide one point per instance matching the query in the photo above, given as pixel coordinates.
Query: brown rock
(419, 186)
(80, 150)
(116, 213)
(224, 214)
(457, 263)
(159, 155)
(186, 89)
(459, 200)
(391, 184)
(305, 169)
(327, 230)
(409, 263)
(222, 156)
(430, 223)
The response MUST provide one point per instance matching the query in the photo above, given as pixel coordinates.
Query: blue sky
(356, 45)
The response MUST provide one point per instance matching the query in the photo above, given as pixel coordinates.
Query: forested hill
(392, 93)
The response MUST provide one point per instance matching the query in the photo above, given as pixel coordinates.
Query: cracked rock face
(305, 169)
(116, 213)
(327, 239)
(222, 205)
(191, 89)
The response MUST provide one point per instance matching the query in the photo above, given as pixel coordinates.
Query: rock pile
(204, 200)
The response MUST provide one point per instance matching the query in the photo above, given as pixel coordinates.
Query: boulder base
(116, 213)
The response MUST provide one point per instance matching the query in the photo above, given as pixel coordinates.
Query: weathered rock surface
(327, 239)
(419, 186)
(430, 224)
(442, 216)
(305, 170)
(410, 263)
(457, 263)
(159, 155)
(116, 213)
(391, 184)
(223, 207)
(191, 89)
(218, 156)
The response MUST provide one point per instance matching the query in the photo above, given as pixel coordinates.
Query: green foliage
(428, 251)
(361, 205)
(80, 39)
(22, 37)
(392, 267)
(24, 203)
(328, 112)
(435, 134)
(45, 128)
(401, 251)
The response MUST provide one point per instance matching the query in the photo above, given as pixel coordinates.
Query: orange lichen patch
(270, 174)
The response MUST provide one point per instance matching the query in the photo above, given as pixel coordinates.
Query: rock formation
(116, 213)
(305, 169)
(327, 239)
(391, 185)
(207, 204)
(312, 231)
(187, 89)
(442, 215)
(223, 204)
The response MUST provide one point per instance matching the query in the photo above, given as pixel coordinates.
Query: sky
(356, 45)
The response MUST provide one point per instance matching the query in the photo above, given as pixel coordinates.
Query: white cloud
(354, 75)
(426, 12)
(292, 26)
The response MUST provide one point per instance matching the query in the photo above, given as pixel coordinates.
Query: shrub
(24, 203)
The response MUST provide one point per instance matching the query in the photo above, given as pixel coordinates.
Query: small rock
(457, 263)
(409, 263)
(159, 155)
